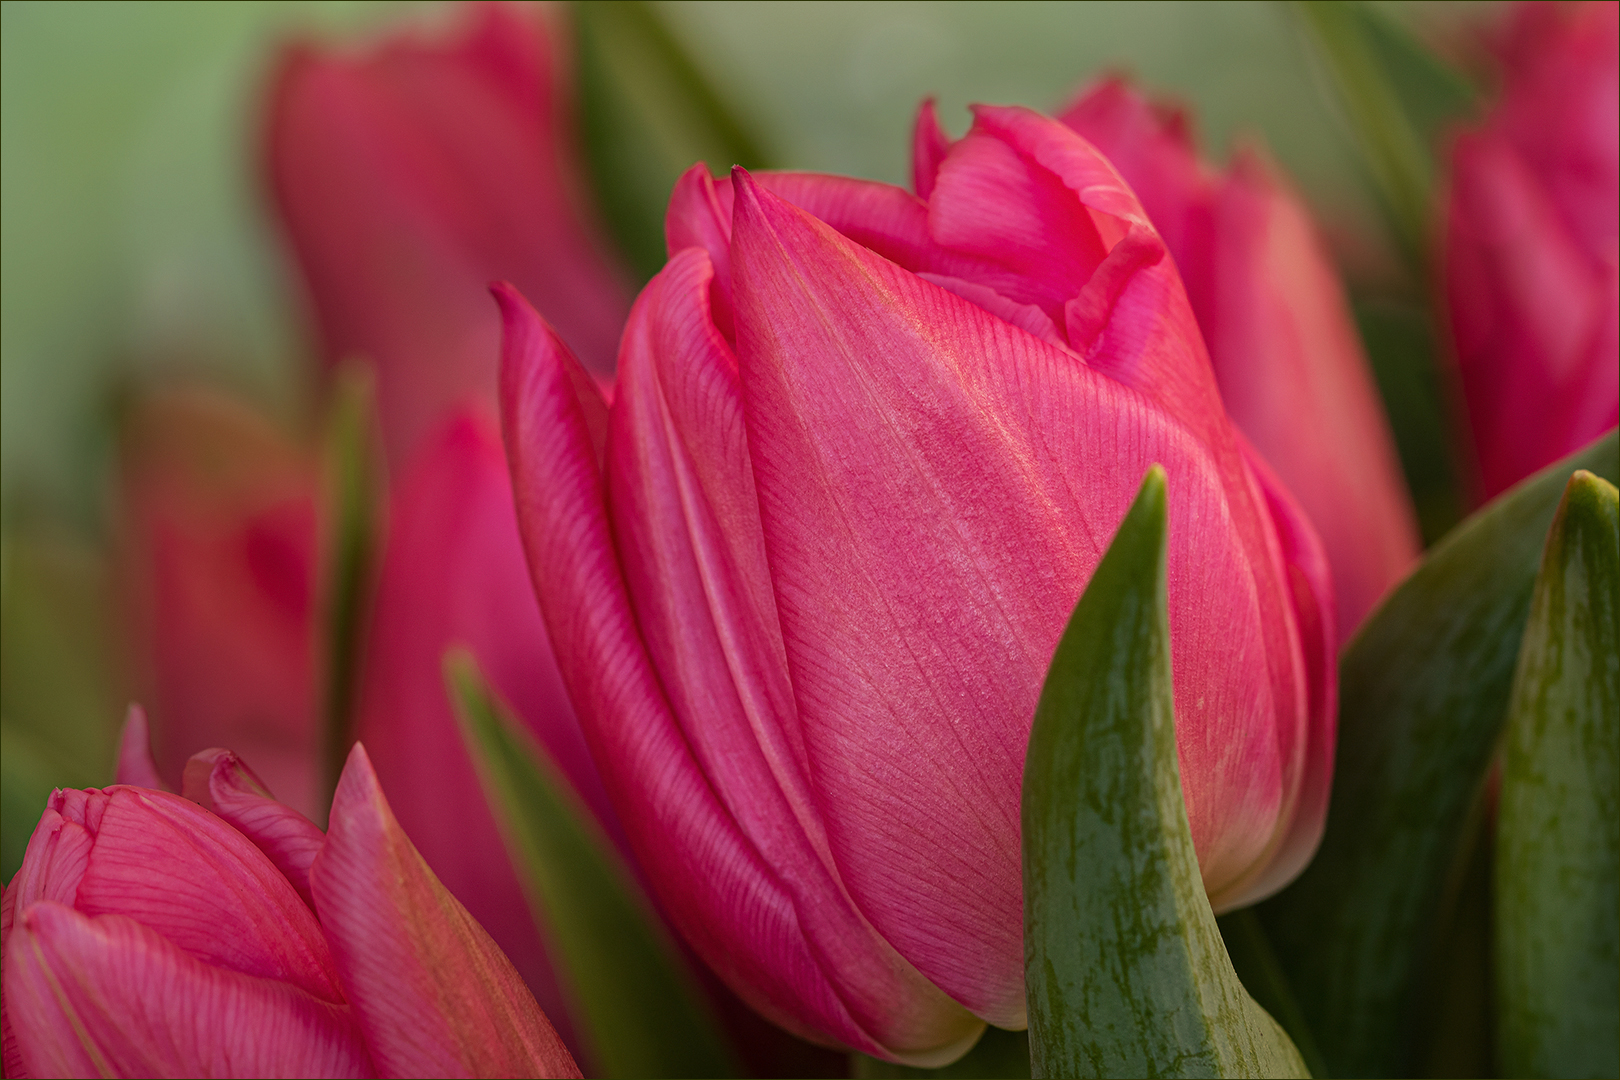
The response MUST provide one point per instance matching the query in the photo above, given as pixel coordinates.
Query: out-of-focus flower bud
(1532, 243)
(408, 177)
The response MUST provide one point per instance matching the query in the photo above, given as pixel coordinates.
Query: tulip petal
(108, 996)
(220, 781)
(454, 575)
(182, 872)
(12, 1056)
(433, 994)
(1525, 309)
(929, 145)
(727, 902)
(687, 521)
(135, 766)
(412, 176)
(935, 488)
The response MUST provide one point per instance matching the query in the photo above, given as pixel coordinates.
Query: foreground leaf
(1125, 970)
(1558, 823)
(631, 995)
(1423, 689)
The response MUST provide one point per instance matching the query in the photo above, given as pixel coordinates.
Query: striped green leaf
(1125, 970)
(1557, 874)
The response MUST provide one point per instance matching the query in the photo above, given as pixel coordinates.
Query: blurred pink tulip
(1287, 356)
(806, 574)
(227, 638)
(454, 575)
(148, 936)
(1532, 245)
(408, 177)
(217, 564)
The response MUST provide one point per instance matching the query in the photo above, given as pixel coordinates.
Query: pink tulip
(410, 175)
(806, 574)
(229, 660)
(454, 575)
(217, 561)
(1532, 245)
(1287, 356)
(148, 936)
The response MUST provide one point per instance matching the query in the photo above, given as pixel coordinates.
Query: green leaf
(1256, 965)
(997, 1054)
(630, 994)
(354, 486)
(1397, 95)
(647, 114)
(1423, 690)
(1557, 894)
(1126, 973)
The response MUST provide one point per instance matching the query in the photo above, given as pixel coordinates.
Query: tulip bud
(411, 175)
(145, 936)
(1532, 239)
(806, 575)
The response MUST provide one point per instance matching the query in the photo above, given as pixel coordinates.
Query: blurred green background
(137, 245)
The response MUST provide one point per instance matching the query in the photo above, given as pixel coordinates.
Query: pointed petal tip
(135, 764)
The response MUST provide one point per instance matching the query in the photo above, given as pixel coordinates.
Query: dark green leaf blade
(1557, 888)
(1125, 971)
(353, 495)
(631, 995)
(647, 114)
(1423, 690)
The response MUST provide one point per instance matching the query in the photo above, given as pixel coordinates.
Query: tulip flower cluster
(925, 609)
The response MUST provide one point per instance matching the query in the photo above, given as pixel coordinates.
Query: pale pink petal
(727, 902)
(179, 870)
(687, 523)
(433, 994)
(454, 576)
(222, 782)
(929, 145)
(935, 489)
(108, 996)
(135, 753)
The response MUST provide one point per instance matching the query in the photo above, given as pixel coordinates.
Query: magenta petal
(687, 521)
(434, 995)
(135, 764)
(929, 145)
(108, 996)
(728, 903)
(412, 174)
(12, 1057)
(223, 783)
(454, 575)
(935, 489)
(182, 872)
